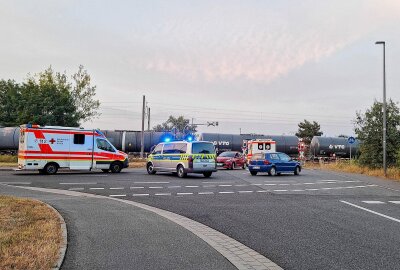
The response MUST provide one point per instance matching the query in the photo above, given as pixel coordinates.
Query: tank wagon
(9, 138)
(332, 146)
(234, 142)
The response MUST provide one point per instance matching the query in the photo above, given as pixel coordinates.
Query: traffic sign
(351, 140)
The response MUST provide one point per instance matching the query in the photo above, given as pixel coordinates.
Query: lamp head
(380, 42)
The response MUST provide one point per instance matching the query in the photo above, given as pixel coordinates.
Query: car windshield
(203, 148)
(227, 154)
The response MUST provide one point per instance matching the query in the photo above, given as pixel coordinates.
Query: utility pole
(148, 119)
(142, 134)
(384, 108)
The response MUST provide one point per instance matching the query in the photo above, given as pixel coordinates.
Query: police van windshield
(203, 148)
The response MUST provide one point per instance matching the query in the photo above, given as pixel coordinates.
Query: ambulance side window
(104, 145)
(79, 138)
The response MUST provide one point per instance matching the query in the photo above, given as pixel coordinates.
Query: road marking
(209, 186)
(155, 187)
(212, 182)
(96, 188)
(374, 202)
(192, 186)
(224, 185)
(184, 193)
(16, 183)
(246, 191)
(140, 194)
(206, 193)
(311, 189)
(151, 182)
(395, 202)
(174, 186)
(116, 188)
(82, 183)
(163, 194)
(308, 183)
(269, 184)
(373, 212)
(241, 185)
(298, 190)
(284, 184)
(262, 191)
(118, 195)
(226, 192)
(136, 187)
(77, 188)
(280, 190)
(255, 184)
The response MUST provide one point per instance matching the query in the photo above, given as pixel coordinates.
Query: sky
(254, 66)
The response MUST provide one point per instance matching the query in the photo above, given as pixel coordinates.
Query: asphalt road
(318, 220)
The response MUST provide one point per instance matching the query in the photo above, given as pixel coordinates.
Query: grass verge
(30, 234)
(346, 166)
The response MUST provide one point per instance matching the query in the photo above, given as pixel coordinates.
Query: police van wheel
(116, 167)
(181, 172)
(105, 170)
(50, 168)
(207, 174)
(150, 169)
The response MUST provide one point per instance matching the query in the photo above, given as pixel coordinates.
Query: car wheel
(297, 170)
(105, 170)
(233, 166)
(150, 168)
(207, 174)
(253, 173)
(181, 172)
(116, 167)
(272, 171)
(50, 168)
(244, 166)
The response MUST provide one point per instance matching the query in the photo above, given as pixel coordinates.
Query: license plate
(204, 160)
(220, 164)
(256, 167)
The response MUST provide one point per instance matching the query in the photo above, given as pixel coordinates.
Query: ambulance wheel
(181, 172)
(50, 168)
(105, 170)
(150, 168)
(207, 174)
(116, 167)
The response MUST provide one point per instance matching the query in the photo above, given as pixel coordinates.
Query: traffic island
(32, 235)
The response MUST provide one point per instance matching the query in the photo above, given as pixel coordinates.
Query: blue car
(273, 164)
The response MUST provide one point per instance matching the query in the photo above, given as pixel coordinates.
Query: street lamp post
(384, 108)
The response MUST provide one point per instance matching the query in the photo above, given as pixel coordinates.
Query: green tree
(179, 123)
(308, 130)
(48, 98)
(368, 127)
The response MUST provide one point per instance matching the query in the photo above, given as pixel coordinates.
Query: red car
(231, 160)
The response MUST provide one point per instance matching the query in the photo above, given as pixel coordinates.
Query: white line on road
(395, 202)
(374, 202)
(269, 184)
(136, 187)
(280, 190)
(118, 195)
(284, 184)
(184, 193)
(116, 188)
(246, 191)
(224, 185)
(191, 186)
(140, 194)
(241, 185)
(77, 188)
(16, 183)
(81, 183)
(311, 189)
(208, 186)
(163, 194)
(96, 188)
(226, 192)
(298, 190)
(262, 191)
(155, 187)
(373, 212)
(174, 186)
(256, 184)
(151, 182)
(206, 193)
(212, 182)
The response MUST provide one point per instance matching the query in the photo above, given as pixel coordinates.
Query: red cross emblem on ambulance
(52, 141)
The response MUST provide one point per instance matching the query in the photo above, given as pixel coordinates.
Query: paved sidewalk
(107, 234)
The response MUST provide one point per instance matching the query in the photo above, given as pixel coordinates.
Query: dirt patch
(30, 234)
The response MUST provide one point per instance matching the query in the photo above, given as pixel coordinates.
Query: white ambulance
(49, 148)
(258, 146)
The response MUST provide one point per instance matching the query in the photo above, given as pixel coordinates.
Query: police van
(183, 157)
(48, 148)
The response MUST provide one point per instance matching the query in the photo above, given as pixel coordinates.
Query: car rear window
(203, 148)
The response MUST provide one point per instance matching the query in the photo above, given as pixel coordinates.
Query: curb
(64, 234)
(241, 256)
(8, 168)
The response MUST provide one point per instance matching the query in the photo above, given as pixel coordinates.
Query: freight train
(130, 142)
